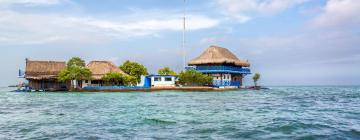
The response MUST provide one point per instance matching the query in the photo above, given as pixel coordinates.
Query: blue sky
(290, 42)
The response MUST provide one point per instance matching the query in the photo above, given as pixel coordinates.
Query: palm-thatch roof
(100, 68)
(38, 70)
(218, 55)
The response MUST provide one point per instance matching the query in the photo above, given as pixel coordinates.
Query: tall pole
(183, 40)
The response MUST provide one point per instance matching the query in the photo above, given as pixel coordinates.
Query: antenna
(183, 39)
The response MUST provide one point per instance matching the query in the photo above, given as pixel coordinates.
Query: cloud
(18, 27)
(147, 26)
(339, 13)
(28, 28)
(325, 57)
(244, 10)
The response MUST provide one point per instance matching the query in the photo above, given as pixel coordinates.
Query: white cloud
(37, 28)
(174, 23)
(243, 10)
(21, 28)
(340, 13)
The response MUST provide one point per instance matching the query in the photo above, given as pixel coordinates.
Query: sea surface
(326, 112)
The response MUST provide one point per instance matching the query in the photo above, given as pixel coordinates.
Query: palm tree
(256, 77)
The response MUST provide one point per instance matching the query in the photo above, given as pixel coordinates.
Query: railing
(226, 83)
(223, 69)
(190, 67)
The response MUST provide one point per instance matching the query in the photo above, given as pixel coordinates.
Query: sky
(289, 42)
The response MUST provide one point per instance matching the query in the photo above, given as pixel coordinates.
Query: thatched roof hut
(100, 68)
(39, 70)
(218, 55)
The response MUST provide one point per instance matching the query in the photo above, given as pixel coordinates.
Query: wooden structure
(42, 75)
(226, 69)
(98, 70)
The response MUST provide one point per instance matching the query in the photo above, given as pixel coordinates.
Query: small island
(215, 69)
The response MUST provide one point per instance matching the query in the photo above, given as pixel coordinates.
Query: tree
(256, 77)
(114, 78)
(166, 71)
(76, 61)
(134, 69)
(194, 78)
(130, 80)
(74, 71)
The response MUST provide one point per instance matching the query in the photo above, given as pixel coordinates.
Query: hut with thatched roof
(98, 70)
(42, 75)
(223, 65)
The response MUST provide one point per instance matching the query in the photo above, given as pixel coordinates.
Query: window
(157, 78)
(86, 81)
(168, 79)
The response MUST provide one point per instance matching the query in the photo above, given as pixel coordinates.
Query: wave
(158, 121)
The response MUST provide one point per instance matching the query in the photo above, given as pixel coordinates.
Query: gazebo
(42, 75)
(225, 68)
(98, 70)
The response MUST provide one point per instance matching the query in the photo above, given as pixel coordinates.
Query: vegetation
(74, 71)
(114, 78)
(194, 78)
(76, 61)
(166, 71)
(256, 77)
(130, 80)
(134, 69)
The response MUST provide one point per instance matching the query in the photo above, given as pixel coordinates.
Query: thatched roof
(43, 69)
(100, 68)
(218, 55)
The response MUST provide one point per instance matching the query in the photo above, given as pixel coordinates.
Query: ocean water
(278, 113)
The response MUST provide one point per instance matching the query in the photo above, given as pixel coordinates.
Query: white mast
(183, 39)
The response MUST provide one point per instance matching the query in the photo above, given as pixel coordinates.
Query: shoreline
(154, 89)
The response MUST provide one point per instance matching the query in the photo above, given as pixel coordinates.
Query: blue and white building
(162, 80)
(226, 69)
(159, 81)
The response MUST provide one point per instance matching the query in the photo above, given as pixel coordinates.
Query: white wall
(142, 82)
(162, 82)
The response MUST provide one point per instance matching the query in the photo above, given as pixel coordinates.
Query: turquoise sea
(323, 112)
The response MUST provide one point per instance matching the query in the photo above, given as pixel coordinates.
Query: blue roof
(224, 71)
(155, 75)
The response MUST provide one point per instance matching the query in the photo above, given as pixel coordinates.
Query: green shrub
(118, 79)
(194, 78)
(134, 69)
